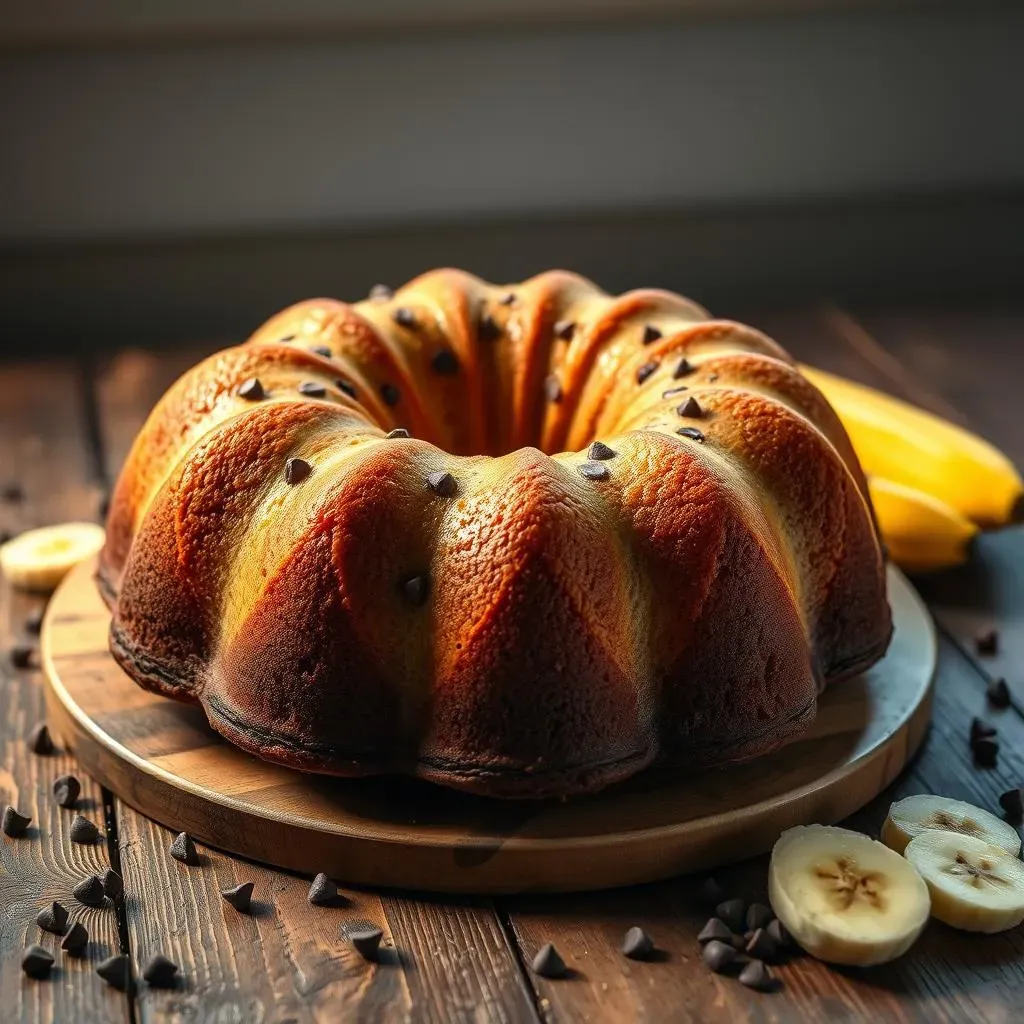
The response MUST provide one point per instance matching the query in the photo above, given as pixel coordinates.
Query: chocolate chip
(398, 432)
(323, 891)
(113, 884)
(36, 962)
(66, 790)
(366, 941)
(442, 483)
(390, 394)
(381, 293)
(713, 378)
(39, 740)
(322, 350)
(986, 752)
(508, 299)
(981, 730)
(758, 916)
(762, 946)
(21, 655)
(732, 913)
(252, 390)
(645, 371)
(691, 432)
(599, 452)
(12, 492)
(89, 891)
(593, 471)
(311, 389)
(404, 317)
(1012, 802)
(116, 971)
(778, 931)
(683, 368)
(296, 470)
(415, 589)
(13, 823)
(184, 849)
(160, 972)
(34, 620)
(553, 389)
(711, 892)
(756, 976)
(347, 387)
(718, 955)
(488, 329)
(240, 896)
(53, 918)
(691, 407)
(445, 362)
(564, 329)
(83, 831)
(987, 641)
(998, 693)
(637, 944)
(76, 939)
(548, 963)
(716, 928)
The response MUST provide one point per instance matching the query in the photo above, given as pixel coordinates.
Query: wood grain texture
(444, 962)
(164, 760)
(43, 450)
(947, 976)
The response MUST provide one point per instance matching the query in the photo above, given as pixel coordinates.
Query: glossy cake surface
(521, 540)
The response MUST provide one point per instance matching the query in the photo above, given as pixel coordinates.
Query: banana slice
(39, 559)
(912, 815)
(844, 897)
(974, 885)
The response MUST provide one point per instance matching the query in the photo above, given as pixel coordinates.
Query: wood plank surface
(444, 961)
(454, 961)
(44, 450)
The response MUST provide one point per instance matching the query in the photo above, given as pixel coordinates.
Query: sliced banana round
(39, 559)
(844, 897)
(974, 885)
(913, 815)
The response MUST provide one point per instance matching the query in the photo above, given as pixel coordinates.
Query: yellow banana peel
(905, 445)
(921, 532)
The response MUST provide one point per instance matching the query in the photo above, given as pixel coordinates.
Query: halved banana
(844, 897)
(974, 885)
(39, 559)
(913, 815)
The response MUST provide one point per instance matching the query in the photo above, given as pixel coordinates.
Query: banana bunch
(934, 485)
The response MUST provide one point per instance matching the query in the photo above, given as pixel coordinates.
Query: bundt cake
(520, 540)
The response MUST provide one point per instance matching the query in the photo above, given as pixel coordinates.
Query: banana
(39, 559)
(844, 897)
(897, 441)
(974, 885)
(914, 815)
(921, 532)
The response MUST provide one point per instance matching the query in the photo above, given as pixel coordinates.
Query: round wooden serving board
(162, 758)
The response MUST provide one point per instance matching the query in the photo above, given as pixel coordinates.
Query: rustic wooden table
(64, 429)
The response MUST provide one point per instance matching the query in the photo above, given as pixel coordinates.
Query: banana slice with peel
(39, 559)
(913, 815)
(974, 885)
(844, 897)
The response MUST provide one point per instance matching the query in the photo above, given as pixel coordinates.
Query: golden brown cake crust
(375, 539)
